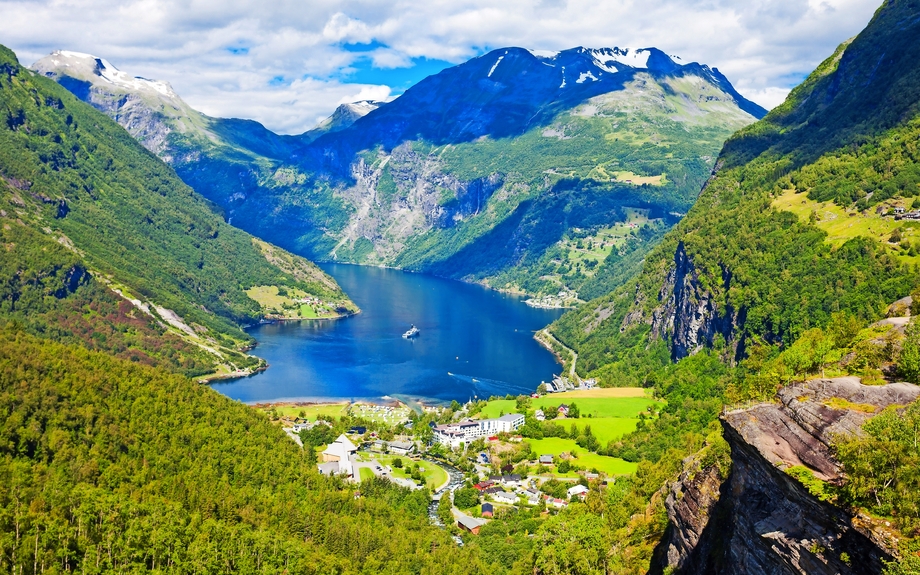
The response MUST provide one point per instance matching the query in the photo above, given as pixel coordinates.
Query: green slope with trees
(116, 216)
(784, 303)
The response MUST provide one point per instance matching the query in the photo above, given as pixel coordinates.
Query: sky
(289, 63)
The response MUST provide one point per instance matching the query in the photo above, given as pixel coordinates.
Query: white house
(453, 434)
(338, 453)
(577, 491)
(505, 497)
(539, 415)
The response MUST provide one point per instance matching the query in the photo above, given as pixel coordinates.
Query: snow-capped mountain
(467, 173)
(508, 91)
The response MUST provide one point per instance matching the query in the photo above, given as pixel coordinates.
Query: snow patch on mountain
(495, 65)
(83, 66)
(547, 54)
(585, 76)
(633, 57)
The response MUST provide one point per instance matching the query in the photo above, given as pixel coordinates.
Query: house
(532, 499)
(487, 510)
(577, 491)
(539, 415)
(505, 497)
(298, 427)
(546, 460)
(563, 409)
(483, 485)
(339, 450)
(492, 490)
(470, 524)
(453, 434)
(511, 480)
(338, 458)
(557, 503)
(402, 447)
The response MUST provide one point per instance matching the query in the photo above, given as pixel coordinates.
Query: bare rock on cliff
(762, 520)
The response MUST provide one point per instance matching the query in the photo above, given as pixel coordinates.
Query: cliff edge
(760, 519)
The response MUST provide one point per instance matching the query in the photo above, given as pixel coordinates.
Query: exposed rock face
(687, 315)
(761, 520)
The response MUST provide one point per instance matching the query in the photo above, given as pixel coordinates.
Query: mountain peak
(89, 68)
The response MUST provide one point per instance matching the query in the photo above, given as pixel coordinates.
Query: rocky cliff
(687, 316)
(761, 519)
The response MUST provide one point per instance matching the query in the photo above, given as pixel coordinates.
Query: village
(483, 459)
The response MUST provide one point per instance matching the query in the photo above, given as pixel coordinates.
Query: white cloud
(289, 56)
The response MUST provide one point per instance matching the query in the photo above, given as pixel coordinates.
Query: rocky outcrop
(761, 519)
(687, 315)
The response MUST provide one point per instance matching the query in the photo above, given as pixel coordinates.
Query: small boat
(413, 332)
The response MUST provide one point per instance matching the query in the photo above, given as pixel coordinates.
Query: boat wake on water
(490, 385)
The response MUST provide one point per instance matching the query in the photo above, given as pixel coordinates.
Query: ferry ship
(413, 332)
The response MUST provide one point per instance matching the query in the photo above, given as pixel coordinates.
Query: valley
(731, 293)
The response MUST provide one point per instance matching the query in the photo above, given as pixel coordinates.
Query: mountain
(464, 175)
(761, 319)
(800, 202)
(343, 117)
(108, 248)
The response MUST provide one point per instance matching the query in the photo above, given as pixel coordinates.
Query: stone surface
(687, 316)
(761, 520)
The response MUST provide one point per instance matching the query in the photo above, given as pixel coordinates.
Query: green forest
(87, 205)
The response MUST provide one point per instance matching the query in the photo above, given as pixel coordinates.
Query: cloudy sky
(289, 63)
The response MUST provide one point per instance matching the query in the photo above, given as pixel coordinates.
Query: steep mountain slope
(105, 238)
(476, 160)
(744, 269)
(775, 280)
(466, 174)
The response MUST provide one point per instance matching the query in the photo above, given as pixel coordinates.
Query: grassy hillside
(775, 272)
(79, 181)
(770, 272)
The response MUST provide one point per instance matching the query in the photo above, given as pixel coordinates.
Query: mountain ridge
(111, 249)
(348, 194)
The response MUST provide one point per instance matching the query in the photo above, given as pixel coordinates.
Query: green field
(606, 429)
(596, 407)
(309, 411)
(496, 408)
(608, 465)
(433, 474)
(365, 473)
(842, 224)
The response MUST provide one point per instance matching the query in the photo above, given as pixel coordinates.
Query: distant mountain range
(465, 175)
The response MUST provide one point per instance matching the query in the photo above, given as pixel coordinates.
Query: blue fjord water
(473, 342)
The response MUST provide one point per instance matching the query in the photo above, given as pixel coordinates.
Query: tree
(444, 509)
(466, 497)
(909, 364)
(397, 463)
